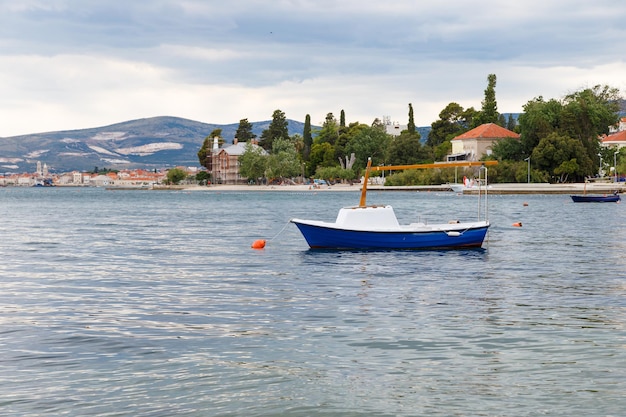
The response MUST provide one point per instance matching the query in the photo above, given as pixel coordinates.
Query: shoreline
(508, 188)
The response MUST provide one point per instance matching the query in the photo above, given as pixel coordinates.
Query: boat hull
(328, 237)
(613, 198)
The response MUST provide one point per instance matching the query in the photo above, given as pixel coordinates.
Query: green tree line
(559, 140)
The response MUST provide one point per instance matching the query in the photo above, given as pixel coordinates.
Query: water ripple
(153, 304)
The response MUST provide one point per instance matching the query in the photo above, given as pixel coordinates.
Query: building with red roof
(474, 144)
(617, 136)
(616, 140)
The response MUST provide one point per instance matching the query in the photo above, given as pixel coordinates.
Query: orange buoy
(258, 244)
(518, 224)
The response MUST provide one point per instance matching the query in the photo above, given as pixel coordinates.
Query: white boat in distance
(468, 184)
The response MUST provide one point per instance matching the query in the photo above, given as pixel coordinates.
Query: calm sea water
(142, 303)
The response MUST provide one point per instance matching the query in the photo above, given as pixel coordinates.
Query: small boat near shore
(591, 198)
(596, 198)
(376, 226)
(467, 184)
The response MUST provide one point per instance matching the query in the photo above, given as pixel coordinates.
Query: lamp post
(528, 159)
(615, 164)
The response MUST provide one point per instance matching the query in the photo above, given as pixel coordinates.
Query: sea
(153, 303)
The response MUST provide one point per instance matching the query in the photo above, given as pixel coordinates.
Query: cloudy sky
(73, 64)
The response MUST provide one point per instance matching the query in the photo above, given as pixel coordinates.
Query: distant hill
(150, 143)
(156, 142)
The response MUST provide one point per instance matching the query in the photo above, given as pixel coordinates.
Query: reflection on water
(153, 304)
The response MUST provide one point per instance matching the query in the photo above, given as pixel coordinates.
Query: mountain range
(151, 143)
(157, 142)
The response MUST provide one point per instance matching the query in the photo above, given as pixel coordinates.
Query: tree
(440, 152)
(489, 111)
(582, 116)
(176, 175)
(405, 149)
(329, 132)
(508, 149)
(452, 122)
(244, 131)
(511, 123)
(278, 128)
(368, 142)
(332, 173)
(411, 125)
(567, 168)
(621, 161)
(539, 119)
(513, 171)
(346, 134)
(217, 133)
(587, 114)
(203, 177)
(252, 162)
(322, 155)
(378, 124)
(204, 154)
(307, 138)
(283, 161)
(298, 142)
(561, 156)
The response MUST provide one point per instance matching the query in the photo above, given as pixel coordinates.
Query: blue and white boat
(376, 226)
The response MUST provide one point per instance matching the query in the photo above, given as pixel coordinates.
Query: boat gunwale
(418, 228)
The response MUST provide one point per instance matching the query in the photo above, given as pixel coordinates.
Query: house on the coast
(616, 137)
(474, 144)
(103, 180)
(615, 140)
(225, 162)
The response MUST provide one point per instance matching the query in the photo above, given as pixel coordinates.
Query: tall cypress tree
(489, 111)
(511, 123)
(307, 138)
(411, 126)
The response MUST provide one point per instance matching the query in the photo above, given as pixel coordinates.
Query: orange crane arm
(415, 166)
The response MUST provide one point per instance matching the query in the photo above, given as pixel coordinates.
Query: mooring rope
(281, 230)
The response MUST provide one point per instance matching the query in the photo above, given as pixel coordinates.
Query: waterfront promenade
(509, 188)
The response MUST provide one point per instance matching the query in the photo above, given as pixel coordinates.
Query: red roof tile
(615, 137)
(488, 131)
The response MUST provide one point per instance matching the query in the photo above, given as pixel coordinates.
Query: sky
(75, 64)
